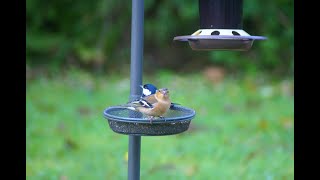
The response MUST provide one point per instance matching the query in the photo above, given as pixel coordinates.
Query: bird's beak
(141, 86)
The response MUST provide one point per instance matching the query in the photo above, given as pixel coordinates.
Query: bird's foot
(150, 119)
(161, 117)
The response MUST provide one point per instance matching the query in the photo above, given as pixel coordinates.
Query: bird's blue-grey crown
(148, 89)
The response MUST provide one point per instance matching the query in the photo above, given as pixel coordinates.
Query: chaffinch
(154, 109)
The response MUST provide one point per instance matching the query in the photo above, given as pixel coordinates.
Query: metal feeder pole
(136, 68)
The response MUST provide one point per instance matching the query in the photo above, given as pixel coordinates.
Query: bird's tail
(131, 108)
(126, 106)
(174, 105)
(132, 105)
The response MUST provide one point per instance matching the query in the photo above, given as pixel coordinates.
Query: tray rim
(144, 120)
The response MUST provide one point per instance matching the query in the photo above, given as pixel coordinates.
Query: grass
(243, 129)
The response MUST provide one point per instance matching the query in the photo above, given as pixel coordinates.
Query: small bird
(148, 91)
(154, 109)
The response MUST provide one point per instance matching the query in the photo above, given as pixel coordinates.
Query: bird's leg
(150, 118)
(162, 117)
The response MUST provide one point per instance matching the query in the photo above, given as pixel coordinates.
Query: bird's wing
(150, 99)
(141, 103)
(145, 103)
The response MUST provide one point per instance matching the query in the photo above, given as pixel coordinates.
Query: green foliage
(243, 129)
(97, 33)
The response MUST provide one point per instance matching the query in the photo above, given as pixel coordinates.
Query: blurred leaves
(97, 33)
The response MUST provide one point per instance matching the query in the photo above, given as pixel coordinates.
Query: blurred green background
(78, 64)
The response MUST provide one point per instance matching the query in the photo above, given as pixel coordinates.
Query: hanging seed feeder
(220, 27)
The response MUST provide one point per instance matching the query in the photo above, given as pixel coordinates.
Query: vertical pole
(137, 22)
(134, 157)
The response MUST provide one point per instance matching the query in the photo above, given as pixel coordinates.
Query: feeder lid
(125, 121)
(220, 39)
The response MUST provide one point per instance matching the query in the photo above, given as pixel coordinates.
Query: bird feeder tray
(129, 122)
(204, 40)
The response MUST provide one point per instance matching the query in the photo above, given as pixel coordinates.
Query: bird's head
(162, 93)
(148, 89)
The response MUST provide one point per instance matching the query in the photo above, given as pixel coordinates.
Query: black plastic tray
(125, 121)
